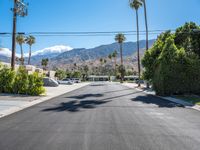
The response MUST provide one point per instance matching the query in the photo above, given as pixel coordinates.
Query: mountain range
(62, 55)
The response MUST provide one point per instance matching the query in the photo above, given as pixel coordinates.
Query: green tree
(44, 63)
(60, 74)
(76, 74)
(171, 68)
(187, 37)
(85, 73)
(20, 39)
(114, 55)
(151, 56)
(136, 4)
(30, 40)
(110, 57)
(120, 38)
(101, 60)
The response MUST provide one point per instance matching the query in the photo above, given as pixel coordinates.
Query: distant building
(98, 78)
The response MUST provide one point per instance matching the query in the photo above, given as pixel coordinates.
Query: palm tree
(146, 24)
(120, 38)
(101, 60)
(110, 57)
(30, 41)
(136, 4)
(114, 55)
(44, 63)
(20, 39)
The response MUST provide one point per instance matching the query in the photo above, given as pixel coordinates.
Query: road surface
(102, 116)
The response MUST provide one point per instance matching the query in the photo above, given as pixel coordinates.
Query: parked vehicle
(49, 82)
(76, 80)
(66, 81)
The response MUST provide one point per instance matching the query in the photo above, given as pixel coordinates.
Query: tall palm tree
(120, 38)
(20, 39)
(136, 4)
(146, 24)
(114, 55)
(30, 41)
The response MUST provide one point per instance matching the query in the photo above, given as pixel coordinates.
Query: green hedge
(20, 82)
(173, 71)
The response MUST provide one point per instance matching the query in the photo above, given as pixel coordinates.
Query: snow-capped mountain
(54, 50)
(46, 52)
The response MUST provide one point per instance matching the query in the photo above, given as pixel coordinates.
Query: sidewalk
(151, 92)
(13, 103)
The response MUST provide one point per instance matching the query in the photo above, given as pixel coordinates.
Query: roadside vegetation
(20, 82)
(172, 64)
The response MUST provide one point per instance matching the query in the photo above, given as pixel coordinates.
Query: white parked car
(65, 81)
(76, 80)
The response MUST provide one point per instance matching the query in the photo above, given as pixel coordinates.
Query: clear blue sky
(94, 15)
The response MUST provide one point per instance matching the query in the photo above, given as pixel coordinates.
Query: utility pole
(20, 9)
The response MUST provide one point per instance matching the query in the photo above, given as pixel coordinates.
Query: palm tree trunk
(146, 25)
(138, 46)
(115, 66)
(29, 58)
(122, 66)
(22, 55)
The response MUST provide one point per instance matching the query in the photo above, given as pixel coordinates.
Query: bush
(35, 86)
(7, 77)
(21, 81)
(174, 71)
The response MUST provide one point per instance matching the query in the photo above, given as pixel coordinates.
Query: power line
(88, 34)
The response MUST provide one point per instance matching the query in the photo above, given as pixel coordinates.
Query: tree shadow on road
(83, 96)
(75, 106)
(150, 99)
(97, 85)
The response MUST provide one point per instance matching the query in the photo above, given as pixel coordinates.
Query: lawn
(190, 98)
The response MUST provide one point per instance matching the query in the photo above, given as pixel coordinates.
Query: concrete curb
(175, 100)
(38, 101)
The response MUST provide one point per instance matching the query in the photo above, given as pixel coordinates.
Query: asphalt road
(102, 116)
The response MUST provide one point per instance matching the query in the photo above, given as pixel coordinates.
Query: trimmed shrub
(35, 86)
(7, 77)
(176, 72)
(21, 82)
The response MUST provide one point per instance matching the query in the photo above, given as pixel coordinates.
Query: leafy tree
(44, 63)
(60, 74)
(110, 56)
(136, 4)
(20, 39)
(120, 38)
(101, 60)
(188, 37)
(104, 61)
(171, 68)
(30, 40)
(76, 74)
(85, 73)
(151, 56)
